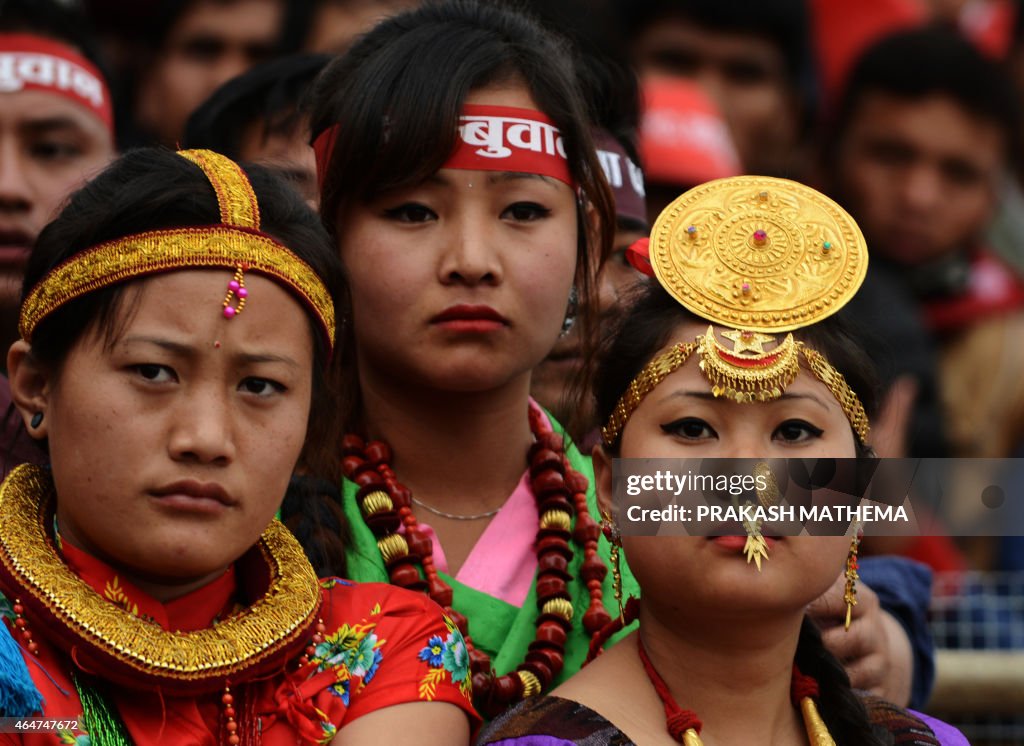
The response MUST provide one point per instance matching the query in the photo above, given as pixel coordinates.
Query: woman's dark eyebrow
(189, 351)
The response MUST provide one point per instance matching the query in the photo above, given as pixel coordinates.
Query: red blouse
(383, 646)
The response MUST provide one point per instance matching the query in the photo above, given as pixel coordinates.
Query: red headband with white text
(491, 138)
(29, 62)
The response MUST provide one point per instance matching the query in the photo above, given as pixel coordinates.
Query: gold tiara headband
(236, 244)
(755, 255)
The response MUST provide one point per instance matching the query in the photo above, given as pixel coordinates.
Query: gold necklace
(128, 648)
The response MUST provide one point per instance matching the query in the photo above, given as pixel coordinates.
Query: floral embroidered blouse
(382, 646)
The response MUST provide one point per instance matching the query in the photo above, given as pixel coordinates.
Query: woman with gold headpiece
(735, 353)
(176, 324)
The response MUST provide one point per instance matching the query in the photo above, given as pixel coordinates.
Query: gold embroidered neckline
(251, 638)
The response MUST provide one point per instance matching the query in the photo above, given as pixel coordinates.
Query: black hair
(924, 62)
(270, 93)
(608, 83)
(647, 327)
(152, 189)
(843, 712)
(786, 23)
(398, 93)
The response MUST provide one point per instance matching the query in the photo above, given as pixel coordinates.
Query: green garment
(498, 628)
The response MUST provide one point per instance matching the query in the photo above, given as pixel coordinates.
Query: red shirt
(383, 646)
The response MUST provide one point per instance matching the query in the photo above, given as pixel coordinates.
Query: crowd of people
(318, 448)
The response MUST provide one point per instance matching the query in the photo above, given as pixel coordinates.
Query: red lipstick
(470, 318)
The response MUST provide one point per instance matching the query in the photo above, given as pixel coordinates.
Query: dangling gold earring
(614, 536)
(850, 593)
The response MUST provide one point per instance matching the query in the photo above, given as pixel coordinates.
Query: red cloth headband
(29, 62)
(491, 138)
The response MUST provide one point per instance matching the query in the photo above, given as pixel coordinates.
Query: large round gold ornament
(758, 253)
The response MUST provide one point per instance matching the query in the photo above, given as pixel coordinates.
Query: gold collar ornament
(236, 243)
(134, 651)
(756, 256)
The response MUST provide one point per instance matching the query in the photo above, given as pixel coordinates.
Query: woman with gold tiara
(735, 353)
(177, 320)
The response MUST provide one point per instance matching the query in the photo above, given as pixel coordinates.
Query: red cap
(842, 31)
(683, 139)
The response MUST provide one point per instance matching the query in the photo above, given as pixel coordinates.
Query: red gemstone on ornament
(556, 501)
(378, 452)
(554, 562)
(419, 543)
(549, 588)
(551, 633)
(368, 478)
(460, 621)
(233, 740)
(229, 712)
(478, 662)
(544, 459)
(349, 464)
(401, 496)
(482, 683)
(506, 689)
(404, 575)
(593, 569)
(550, 542)
(440, 591)
(384, 522)
(551, 440)
(351, 443)
(539, 667)
(555, 659)
(587, 530)
(227, 699)
(547, 481)
(596, 618)
(576, 481)
(33, 647)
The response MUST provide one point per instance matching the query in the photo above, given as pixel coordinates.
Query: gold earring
(614, 536)
(850, 593)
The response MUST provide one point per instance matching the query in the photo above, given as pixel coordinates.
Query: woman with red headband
(56, 129)
(177, 323)
(460, 180)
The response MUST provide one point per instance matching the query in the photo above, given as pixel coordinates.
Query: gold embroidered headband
(236, 244)
(756, 255)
